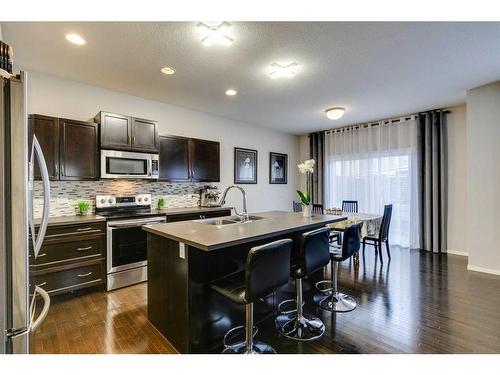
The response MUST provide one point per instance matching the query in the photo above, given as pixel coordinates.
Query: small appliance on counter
(209, 196)
(126, 241)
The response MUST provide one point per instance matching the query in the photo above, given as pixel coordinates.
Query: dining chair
(350, 206)
(334, 235)
(297, 206)
(383, 234)
(318, 209)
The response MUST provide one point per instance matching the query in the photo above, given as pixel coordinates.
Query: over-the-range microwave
(128, 165)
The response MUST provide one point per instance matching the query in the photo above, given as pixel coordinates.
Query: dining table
(371, 224)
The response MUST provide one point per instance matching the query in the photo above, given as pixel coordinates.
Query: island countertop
(211, 237)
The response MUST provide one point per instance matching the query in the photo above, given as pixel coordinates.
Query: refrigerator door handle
(46, 305)
(38, 239)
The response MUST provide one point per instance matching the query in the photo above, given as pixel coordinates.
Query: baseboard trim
(483, 270)
(461, 253)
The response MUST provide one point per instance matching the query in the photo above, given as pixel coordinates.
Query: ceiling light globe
(168, 70)
(75, 39)
(335, 113)
(231, 92)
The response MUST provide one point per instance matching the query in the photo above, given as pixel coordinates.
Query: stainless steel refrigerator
(19, 313)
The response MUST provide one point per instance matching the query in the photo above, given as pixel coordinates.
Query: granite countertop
(189, 210)
(212, 237)
(91, 218)
(76, 219)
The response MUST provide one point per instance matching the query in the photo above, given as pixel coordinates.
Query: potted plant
(307, 168)
(161, 203)
(83, 207)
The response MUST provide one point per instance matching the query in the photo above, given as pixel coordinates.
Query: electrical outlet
(62, 200)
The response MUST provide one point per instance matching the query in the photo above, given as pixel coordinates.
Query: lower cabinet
(72, 257)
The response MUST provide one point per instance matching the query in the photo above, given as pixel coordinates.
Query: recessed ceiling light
(75, 39)
(279, 71)
(168, 70)
(218, 34)
(335, 113)
(231, 92)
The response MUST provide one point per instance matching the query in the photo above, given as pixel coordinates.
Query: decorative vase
(83, 213)
(307, 210)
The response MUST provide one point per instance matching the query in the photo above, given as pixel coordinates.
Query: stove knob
(145, 199)
(110, 200)
(139, 199)
(103, 200)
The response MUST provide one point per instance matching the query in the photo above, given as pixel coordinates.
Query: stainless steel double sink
(228, 220)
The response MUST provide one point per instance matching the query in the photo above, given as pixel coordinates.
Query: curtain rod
(384, 121)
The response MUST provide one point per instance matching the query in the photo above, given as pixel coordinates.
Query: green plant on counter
(83, 207)
(161, 203)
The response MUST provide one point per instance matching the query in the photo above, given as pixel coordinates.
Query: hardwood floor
(99, 322)
(416, 303)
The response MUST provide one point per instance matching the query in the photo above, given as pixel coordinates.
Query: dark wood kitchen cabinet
(70, 147)
(120, 132)
(46, 130)
(174, 158)
(204, 157)
(72, 257)
(79, 152)
(187, 159)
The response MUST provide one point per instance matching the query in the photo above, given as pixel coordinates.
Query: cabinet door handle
(128, 139)
(41, 255)
(83, 229)
(85, 274)
(84, 248)
(133, 140)
(42, 284)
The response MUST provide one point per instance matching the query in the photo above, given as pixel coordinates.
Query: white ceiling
(374, 70)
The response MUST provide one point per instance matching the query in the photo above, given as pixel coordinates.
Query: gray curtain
(431, 133)
(317, 152)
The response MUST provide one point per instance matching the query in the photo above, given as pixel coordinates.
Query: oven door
(127, 246)
(123, 164)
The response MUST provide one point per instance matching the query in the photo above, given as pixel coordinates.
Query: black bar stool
(267, 269)
(313, 255)
(330, 298)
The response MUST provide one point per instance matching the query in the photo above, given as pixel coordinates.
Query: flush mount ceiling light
(218, 34)
(75, 39)
(283, 71)
(231, 92)
(335, 113)
(168, 70)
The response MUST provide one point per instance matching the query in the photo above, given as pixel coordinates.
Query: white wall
(457, 180)
(58, 97)
(483, 178)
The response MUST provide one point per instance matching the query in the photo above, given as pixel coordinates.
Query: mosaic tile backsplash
(65, 194)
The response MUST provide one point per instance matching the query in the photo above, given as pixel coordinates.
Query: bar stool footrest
(235, 336)
(292, 309)
(327, 289)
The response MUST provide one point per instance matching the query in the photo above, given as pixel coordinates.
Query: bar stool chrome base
(257, 348)
(335, 302)
(307, 327)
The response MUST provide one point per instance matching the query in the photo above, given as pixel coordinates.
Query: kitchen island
(184, 258)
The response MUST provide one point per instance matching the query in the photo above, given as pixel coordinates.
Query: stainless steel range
(126, 241)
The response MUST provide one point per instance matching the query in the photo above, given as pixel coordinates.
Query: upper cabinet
(144, 135)
(70, 147)
(119, 132)
(174, 158)
(46, 130)
(204, 158)
(78, 138)
(187, 159)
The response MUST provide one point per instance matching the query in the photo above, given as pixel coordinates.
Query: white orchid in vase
(307, 168)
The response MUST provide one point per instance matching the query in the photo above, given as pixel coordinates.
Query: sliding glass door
(376, 165)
